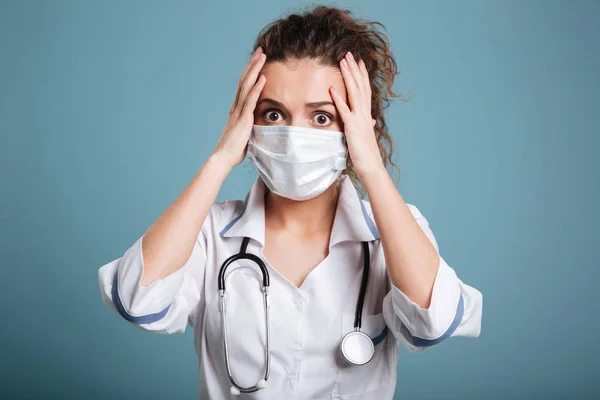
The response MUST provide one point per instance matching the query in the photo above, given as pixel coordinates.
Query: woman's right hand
(233, 143)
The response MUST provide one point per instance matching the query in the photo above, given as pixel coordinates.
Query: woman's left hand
(358, 122)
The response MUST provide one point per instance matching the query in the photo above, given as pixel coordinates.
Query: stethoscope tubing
(222, 306)
(243, 254)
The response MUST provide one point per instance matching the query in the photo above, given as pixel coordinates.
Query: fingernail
(350, 56)
(344, 63)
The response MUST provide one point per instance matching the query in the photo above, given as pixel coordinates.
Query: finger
(365, 74)
(340, 104)
(250, 80)
(243, 75)
(356, 74)
(252, 98)
(350, 84)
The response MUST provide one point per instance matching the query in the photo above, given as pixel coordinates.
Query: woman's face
(297, 93)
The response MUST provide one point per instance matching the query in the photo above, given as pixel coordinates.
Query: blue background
(108, 109)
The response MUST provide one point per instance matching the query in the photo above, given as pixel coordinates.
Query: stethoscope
(357, 347)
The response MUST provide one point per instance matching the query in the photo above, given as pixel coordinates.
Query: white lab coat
(307, 323)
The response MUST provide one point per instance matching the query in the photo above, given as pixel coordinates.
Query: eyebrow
(314, 104)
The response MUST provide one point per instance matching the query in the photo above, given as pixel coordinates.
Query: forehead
(304, 80)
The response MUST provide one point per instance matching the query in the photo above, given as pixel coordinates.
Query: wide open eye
(322, 119)
(272, 116)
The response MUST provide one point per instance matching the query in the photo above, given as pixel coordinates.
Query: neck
(307, 217)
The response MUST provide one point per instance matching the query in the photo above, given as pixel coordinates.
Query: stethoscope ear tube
(243, 255)
(236, 389)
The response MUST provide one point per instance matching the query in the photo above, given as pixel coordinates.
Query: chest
(295, 258)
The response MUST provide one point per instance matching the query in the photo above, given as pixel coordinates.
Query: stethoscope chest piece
(357, 348)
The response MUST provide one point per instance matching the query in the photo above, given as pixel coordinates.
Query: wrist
(373, 177)
(220, 162)
(371, 172)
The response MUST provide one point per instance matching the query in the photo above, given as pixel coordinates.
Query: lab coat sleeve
(455, 308)
(166, 305)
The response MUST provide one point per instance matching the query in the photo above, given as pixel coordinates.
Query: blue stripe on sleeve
(457, 318)
(379, 338)
(144, 319)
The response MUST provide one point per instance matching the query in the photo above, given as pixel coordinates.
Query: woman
(309, 113)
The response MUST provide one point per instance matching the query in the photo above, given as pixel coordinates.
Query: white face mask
(296, 162)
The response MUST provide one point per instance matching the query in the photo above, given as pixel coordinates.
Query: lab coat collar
(352, 221)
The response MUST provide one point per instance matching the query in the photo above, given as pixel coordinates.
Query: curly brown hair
(327, 34)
